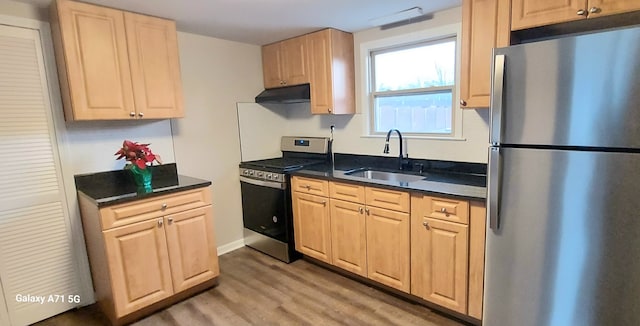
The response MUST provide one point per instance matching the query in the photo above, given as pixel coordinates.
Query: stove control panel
(262, 175)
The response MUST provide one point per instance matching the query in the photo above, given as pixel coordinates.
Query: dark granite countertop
(116, 187)
(465, 180)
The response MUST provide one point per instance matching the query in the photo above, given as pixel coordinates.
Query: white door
(36, 253)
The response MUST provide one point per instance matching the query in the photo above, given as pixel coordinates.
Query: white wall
(260, 128)
(351, 128)
(215, 75)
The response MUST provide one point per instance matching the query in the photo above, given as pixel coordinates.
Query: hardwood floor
(256, 289)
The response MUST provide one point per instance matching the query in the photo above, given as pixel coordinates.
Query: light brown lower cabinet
(166, 250)
(440, 258)
(388, 249)
(312, 226)
(348, 236)
(447, 252)
(429, 246)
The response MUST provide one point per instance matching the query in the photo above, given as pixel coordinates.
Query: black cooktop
(283, 164)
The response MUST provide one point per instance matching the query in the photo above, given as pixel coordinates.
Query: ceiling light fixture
(397, 17)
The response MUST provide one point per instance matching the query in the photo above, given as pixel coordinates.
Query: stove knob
(269, 176)
(245, 172)
(260, 174)
(251, 172)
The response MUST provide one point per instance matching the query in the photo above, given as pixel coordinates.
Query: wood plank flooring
(256, 289)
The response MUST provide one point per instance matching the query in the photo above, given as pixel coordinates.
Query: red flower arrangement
(138, 154)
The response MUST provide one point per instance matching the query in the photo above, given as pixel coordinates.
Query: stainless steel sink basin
(385, 176)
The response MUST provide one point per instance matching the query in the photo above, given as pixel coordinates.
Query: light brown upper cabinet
(533, 13)
(115, 65)
(332, 72)
(324, 59)
(485, 25)
(285, 63)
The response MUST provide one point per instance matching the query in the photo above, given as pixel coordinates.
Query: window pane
(417, 113)
(418, 67)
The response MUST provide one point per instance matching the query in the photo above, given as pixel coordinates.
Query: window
(412, 88)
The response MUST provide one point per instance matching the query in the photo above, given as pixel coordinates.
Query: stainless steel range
(266, 195)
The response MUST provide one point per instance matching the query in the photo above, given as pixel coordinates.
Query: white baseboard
(229, 247)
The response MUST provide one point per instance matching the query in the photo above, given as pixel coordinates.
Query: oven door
(266, 208)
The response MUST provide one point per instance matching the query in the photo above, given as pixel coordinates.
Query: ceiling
(265, 21)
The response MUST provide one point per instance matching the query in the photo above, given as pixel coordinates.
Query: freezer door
(573, 91)
(566, 250)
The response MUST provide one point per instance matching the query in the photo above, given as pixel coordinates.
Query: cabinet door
(348, 236)
(295, 70)
(138, 264)
(610, 7)
(485, 25)
(332, 73)
(192, 248)
(155, 66)
(92, 45)
(439, 262)
(312, 226)
(319, 46)
(532, 13)
(388, 252)
(271, 70)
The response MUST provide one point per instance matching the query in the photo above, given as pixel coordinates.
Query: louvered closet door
(35, 241)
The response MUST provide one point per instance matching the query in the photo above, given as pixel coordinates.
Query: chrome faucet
(402, 162)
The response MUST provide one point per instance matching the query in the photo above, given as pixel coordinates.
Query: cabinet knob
(361, 210)
(160, 223)
(164, 206)
(141, 114)
(170, 220)
(594, 10)
(426, 224)
(463, 102)
(132, 114)
(581, 12)
(324, 203)
(307, 186)
(284, 82)
(444, 210)
(367, 211)
(329, 110)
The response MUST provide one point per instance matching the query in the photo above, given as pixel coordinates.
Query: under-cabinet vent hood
(290, 94)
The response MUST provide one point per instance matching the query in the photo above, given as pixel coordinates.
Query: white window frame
(398, 42)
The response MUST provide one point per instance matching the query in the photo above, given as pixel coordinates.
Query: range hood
(289, 94)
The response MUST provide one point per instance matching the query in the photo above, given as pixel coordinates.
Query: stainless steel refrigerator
(563, 238)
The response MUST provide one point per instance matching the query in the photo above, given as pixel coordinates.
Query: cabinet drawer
(389, 199)
(346, 191)
(123, 214)
(310, 186)
(446, 209)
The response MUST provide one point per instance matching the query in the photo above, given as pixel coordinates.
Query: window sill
(419, 137)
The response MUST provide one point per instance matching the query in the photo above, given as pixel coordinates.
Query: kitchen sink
(384, 175)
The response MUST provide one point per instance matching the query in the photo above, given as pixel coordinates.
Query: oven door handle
(264, 183)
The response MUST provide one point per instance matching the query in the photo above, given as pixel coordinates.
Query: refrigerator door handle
(493, 187)
(497, 88)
